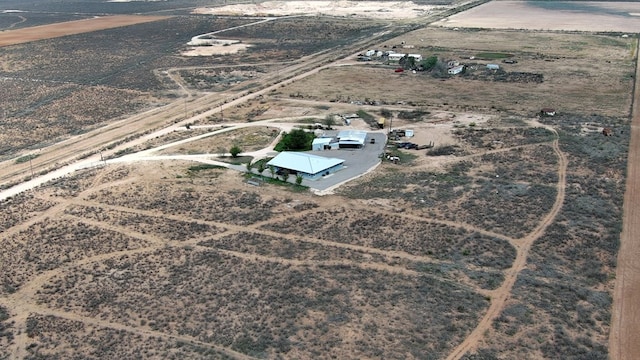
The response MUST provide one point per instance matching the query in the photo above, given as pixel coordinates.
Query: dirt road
(624, 339)
(500, 296)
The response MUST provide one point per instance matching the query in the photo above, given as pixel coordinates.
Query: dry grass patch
(247, 139)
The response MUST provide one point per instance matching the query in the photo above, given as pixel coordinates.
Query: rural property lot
(499, 242)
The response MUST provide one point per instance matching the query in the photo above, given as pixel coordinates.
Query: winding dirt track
(501, 295)
(624, 339)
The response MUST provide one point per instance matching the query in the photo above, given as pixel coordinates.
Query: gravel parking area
(357, 162)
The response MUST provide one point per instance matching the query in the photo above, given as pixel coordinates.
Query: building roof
(323, 140)
(303, 162)
(352, 136)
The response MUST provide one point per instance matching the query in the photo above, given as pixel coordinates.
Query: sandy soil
(71, 28)
(581, 16)
(214, 50)
(369, 9)
(624, 339)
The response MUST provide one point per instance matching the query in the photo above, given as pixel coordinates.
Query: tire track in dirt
(22, 19)
(364, 265)
(17, 303)
(624, 336)
(231, 229)
(450, 223)
(296, 262)
(501, 295)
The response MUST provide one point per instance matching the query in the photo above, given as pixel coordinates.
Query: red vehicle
(399, 70)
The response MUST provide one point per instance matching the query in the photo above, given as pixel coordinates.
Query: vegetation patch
(286, 310)
(201, 167)
(295, 140)
(492, 55)
(54, 337)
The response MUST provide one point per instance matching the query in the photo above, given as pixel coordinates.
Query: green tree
(297, 139)
(329, 121)
(408, 62)
(386, 113)
(429, 63)
(261, 167)
(272, 170)
(298, 179)
(249, 165)
(235, 151)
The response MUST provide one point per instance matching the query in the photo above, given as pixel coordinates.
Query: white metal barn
(351, 139)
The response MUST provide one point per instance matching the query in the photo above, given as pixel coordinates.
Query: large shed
(306, 165)
(351, 139)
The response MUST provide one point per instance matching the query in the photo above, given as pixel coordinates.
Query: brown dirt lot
(71, 28)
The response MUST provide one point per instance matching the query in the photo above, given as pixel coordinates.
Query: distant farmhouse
(454, 67)
(306, 165)
(455, 70)
(396, 57)
(548, 112)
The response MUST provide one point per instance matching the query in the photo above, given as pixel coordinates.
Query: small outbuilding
(548, 112)
(395, 57)
(324, 143)
(455, 70)
(416, 57)
(308, 166)
(493, 66)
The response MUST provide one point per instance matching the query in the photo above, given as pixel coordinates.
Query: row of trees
(285, 174)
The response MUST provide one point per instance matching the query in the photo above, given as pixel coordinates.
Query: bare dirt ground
(368, 9)
(541, 15)
(71, 28)
(624, 340)
(215, 50)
